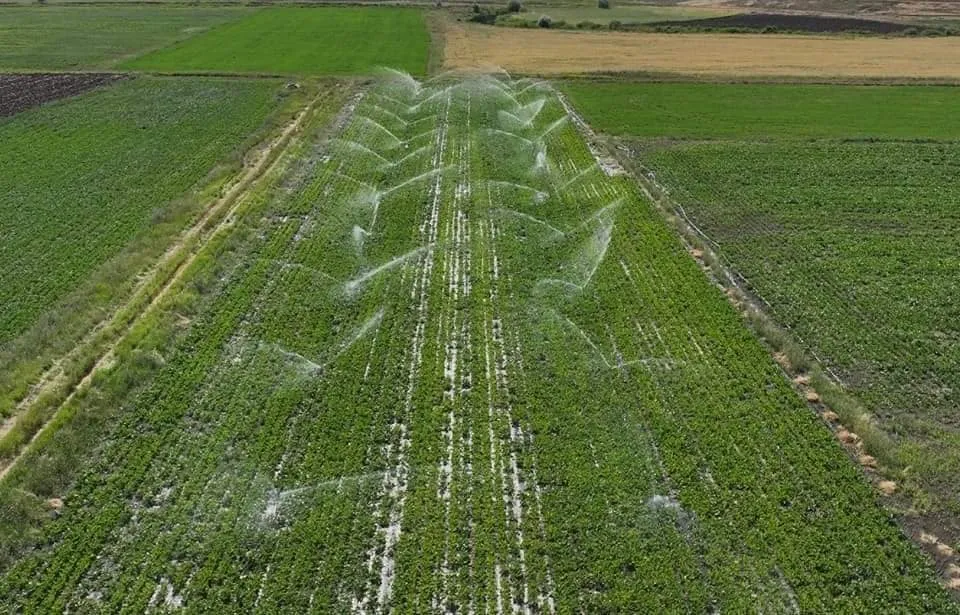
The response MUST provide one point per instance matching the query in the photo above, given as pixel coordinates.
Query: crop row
(462, 369)
(849, 244)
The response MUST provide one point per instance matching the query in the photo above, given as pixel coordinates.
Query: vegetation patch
(623, 14)
(321, 40)
(86, 178)
(836, 210)
(97, 37)
(451, 361)
(768, 111)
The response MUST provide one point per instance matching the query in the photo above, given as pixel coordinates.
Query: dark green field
(303, 41)
(768, 111)
(97, 37)
(851, 242)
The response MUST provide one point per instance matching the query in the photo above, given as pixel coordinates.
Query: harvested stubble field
(543, 52)
(449, 364)
(847, 235)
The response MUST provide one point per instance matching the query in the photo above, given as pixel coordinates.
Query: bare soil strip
(19, 92)
(156, 284)
(794, 23)
(537, 51)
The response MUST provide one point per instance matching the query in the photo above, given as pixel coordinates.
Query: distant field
(550, 52)
(627, 14)
(83, 177)
(759, 111)
(323, 40)
(88, 37)
(852, 243)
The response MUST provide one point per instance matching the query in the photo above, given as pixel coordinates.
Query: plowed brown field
(553, 51)
(22, 91)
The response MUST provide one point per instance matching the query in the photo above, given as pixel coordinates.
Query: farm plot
(837, 208)
(19, 92)
(316, 41)
(97, 37)
(460, 369)
(95, 187)
(764, 112)
(852, 246)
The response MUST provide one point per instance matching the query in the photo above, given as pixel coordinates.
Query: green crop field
(849, 242)
(451, 365)
(324, 40)
(768, 111)
(83, 177)
(97, 37)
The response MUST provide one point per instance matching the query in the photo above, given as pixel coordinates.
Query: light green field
(97, 37)
(303, 41)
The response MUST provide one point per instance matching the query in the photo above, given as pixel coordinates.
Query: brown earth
(786, 22)
(537, 51)
(888, 8)
(22, 91)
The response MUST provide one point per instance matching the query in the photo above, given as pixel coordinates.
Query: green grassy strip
(768, 111)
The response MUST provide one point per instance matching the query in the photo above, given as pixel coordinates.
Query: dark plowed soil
(22, 91)
(794, 23)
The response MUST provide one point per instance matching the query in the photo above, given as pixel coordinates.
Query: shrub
(544, 21)
(476, 8)
(615, 25)
(484, 18)
(603, 4)
(514, 6)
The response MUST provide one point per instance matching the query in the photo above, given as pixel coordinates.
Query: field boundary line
(180, 255)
